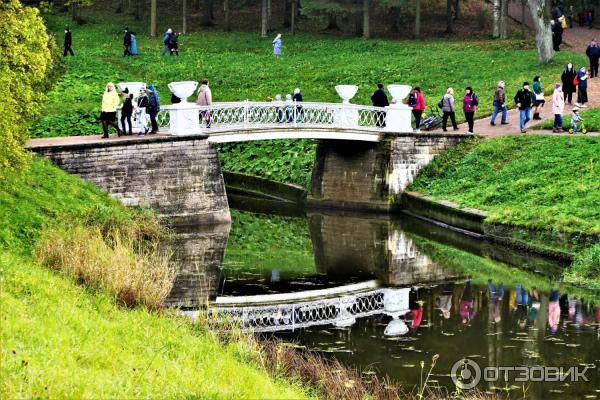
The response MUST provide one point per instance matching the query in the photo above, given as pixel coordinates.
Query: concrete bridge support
(372, 176)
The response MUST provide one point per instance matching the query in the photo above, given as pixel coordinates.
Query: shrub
(24, 66)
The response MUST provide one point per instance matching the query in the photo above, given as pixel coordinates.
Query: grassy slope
(533, 181)
(52, 327)
(590, 117)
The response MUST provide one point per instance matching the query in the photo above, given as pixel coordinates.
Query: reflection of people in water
(444, 301)
(416, 309)
(496, 297)
(467, 305)
(553, 310)
(534, 305)
(520, 309)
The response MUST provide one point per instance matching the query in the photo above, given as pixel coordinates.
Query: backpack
(576, 80)
(412, 99)
(475, 99)
(441, 103)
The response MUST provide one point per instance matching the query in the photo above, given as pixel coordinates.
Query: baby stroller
(432, 120)
(139, 121)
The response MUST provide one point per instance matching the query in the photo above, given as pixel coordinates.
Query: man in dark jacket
(380, 99)
(523, 99)
(68, 42)
(557, 32)
(593, 53)
(127, 43)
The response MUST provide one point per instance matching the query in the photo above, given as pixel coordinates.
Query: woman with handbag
(539, 101)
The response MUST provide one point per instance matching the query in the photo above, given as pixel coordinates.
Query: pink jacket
(204, 96)
(558, 102)
(420, 102)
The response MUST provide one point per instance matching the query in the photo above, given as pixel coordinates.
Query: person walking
(380, 99)
(166, 41)
(557, 32)
(277, 46)
(68, 43)
(153, 107)
(568, 86)
(448, 110)
(127, 110)
(108, 114)
(558, 107)
(499, 105)
(204, 99)
(523, 100)
(582, 83)
(538, 94)
(173, 44)
(127, 43)
(593, 53)
(417, 102)
(470, 103)
(299, 109)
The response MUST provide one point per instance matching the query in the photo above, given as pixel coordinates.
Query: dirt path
(577, 40)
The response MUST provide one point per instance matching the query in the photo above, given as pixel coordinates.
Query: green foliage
(283, 160)
(585, 270)
(24, 66)
(539, 182)
(591, 119)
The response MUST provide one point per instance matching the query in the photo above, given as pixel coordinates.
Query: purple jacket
(468, 105)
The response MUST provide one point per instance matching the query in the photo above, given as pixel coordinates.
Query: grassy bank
(52, 326)
(591, 119)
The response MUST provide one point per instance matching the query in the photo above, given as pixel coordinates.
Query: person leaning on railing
(380, 99)
(299, 110)
(204, 99)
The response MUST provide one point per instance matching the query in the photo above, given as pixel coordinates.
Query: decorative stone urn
(395, 304)
(134, 87)
(398, 115)
(184, 116)
(346, 117)
(346, 92)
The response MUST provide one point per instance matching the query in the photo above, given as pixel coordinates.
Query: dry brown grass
(126, 263)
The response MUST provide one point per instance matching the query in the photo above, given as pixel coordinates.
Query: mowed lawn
(241, 66)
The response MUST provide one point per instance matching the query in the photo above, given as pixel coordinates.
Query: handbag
(539, 96)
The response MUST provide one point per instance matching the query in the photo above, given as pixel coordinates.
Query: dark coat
(143, 102)
(127, 39)
(380, 99)
(593, 52)
(567, 80)
(68, 39)
(127, 109)
(524, 97)
(298, 97)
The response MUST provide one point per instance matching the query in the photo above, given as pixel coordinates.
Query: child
(575, 118)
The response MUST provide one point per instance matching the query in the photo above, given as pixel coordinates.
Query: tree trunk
(543, 34)
(366, 20)
(457, 9)
(227, 27)
(263, 19)
(138, 10)
(449, 21)
(208, 13)
(269, 15)
(74, 11)
(184, 16)
(153, 18)
(523, 11)
(504, 19)
(287, 13)
(333, 22)
(417, 18)
(496, 18)
(293, 16)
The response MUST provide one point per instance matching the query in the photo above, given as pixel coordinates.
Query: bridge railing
(249, 115)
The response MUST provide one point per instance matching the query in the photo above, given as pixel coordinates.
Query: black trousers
(452, 116)
(593, 67)
(470, 117)
(569, 97)
(582, 96)
(153, 121)
(126, 50)
(68, 50)
(128, 119)
(106, 124)
(417, 114)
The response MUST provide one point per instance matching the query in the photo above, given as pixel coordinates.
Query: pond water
(453, 312)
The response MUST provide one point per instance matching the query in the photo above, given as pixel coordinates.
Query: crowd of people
(133, 111)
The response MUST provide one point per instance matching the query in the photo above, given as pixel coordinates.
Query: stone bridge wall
(372, 176)
(179, 177)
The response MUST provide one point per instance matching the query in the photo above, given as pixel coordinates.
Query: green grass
(538, 182)
(60, 339)
(585, 270)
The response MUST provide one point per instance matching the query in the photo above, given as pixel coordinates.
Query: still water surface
(453, 311)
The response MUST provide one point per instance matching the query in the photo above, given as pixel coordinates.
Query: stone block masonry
(179, 177)
(372, 176)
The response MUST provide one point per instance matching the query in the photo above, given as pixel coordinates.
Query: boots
(537, 116)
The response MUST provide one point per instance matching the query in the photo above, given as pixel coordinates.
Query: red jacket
(420, 102)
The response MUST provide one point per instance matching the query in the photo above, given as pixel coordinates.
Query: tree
(496, 7)
(263, 18)
(75, 7)
(294, 11)
(449, 17)
(366, 18)
(332, 9)
(25, 68)
(226, 11)
(153, 18)
(417, 18)
(504, 19)
(184, 17)
(543, 34)
(207, 18)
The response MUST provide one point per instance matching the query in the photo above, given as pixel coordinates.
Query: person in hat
(127, 110)
(277, 46)
(558, 106)
(575, 118)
